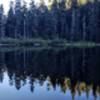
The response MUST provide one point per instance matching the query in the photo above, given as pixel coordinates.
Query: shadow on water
(74, 69)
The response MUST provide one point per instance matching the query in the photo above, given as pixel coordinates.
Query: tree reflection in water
(74, 69)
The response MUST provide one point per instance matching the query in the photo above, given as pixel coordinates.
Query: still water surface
(50, 74)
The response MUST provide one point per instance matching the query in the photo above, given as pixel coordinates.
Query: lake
(50, 74)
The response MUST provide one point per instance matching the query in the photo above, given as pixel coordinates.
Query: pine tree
(33, 21)
(18, 16)
(73, 20)
(11, 23)
(41, 18)
(63, 27)
(24, 20)
(55, 18)
(2, 22)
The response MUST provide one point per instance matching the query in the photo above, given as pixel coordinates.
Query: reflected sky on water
(40, 92)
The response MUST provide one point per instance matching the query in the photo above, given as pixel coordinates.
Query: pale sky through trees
(6, 3)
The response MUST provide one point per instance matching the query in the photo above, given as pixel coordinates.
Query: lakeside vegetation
(8, 42)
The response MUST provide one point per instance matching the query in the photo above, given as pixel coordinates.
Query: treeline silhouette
(76, 23)
(73, 68)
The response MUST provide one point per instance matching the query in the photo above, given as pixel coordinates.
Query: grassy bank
(45, 43)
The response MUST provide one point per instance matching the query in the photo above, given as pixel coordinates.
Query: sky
(6, 3)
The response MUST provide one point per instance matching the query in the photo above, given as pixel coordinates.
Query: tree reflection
(76, 69)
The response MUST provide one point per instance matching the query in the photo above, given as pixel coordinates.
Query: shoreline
(9, 42)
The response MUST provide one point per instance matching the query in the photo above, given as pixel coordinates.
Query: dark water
(50, 74)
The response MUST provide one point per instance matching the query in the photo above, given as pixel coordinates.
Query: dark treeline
(78, 23)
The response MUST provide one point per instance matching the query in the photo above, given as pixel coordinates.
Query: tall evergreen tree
(33, 20)
(73, 20)
(11, 22)
(18, 16)
(62, 24)
(93, 18)
(24, 20)
(2, 21)
(41, 18)
(55, 18)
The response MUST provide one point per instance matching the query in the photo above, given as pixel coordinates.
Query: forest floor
(8, 42)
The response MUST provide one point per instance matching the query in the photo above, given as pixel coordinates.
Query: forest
(62, 20)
